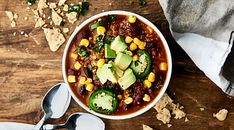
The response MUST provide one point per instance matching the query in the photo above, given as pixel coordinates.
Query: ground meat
(113, 29)
(129, 29)
(138, 92)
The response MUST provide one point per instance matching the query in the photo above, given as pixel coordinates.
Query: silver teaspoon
(55, 103)
(79, 121)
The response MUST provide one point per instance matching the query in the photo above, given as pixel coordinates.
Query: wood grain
(29, 69)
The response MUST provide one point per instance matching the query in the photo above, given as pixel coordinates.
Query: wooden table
(28, 69)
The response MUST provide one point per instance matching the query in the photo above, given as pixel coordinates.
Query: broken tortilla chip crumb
(54, 37)
(221, 115)
(145, 127)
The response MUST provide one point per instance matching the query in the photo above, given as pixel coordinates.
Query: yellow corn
(89, 80)
(148, 84)
(101, 30)
(146, 98)
(128, 100)
(77, 65)
(163, 66)
(151, 77)
(119, 97)
(132, 19)
(133, 46)
(135, 58)
(84, 42)
(100, 63)
(142, 45)
(128, 39)
(71, 78)
(74, 56)
(137, 41)
(89, 87)
(82, 80)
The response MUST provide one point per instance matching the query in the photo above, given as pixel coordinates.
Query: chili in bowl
(117, 64)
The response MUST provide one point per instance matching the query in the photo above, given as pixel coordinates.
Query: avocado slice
(118, 44)
(109, 53)
(123, 60)
(106, 73)
(127, 80)
(118, 72)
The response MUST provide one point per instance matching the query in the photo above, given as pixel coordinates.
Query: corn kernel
(77, 65)
(84, 42)
(135, 58)
(119, 97)
(132, 19)
(82, 80)
(100, 63)
(146, 98)
(148, 84)
(133, 46)
(89, 87)
(141, 47)
(137, 41)
(128, 100)
(128, 39)
(101, 30)
(149, 29)
(89, 80)
(74, 56)
(71, 78)
(163, 66)
(151, 77)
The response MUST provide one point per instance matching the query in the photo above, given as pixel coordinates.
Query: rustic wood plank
(29, 69)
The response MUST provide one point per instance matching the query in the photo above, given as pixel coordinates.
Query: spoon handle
(52, 127)
(42, 121)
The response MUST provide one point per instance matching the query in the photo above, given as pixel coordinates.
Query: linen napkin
(203, 28)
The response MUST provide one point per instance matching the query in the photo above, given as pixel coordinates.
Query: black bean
(82, 90)
(73, 72)
(88, 72)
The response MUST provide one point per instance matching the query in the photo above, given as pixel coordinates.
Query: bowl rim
(167, 50)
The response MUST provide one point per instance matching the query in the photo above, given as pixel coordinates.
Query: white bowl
(163, 89)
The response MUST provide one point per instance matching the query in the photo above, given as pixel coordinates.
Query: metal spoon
(55, 103)
(79, 121)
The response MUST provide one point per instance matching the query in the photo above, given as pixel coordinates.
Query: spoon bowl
(55, 103)
(79, 121)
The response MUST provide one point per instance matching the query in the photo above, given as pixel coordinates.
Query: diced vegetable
(77, 65)
(71, 78)
(123, 60)
(74, 56)
(132, 19)
(118, 44)
(137, 41)
(133, 46)
(103, 101)
(128, 39)
(141, 68)
(109, 53)
(151, 77)
(103, 22)
(127, 79)
(89, 87)
(148, 84)
(163, 66)
(146, 98)
(128, 100)
(84, 42)
(135, 58)
(82, 52)
(106, 73)
(100, 63)
(82, 80)
(101, 30)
